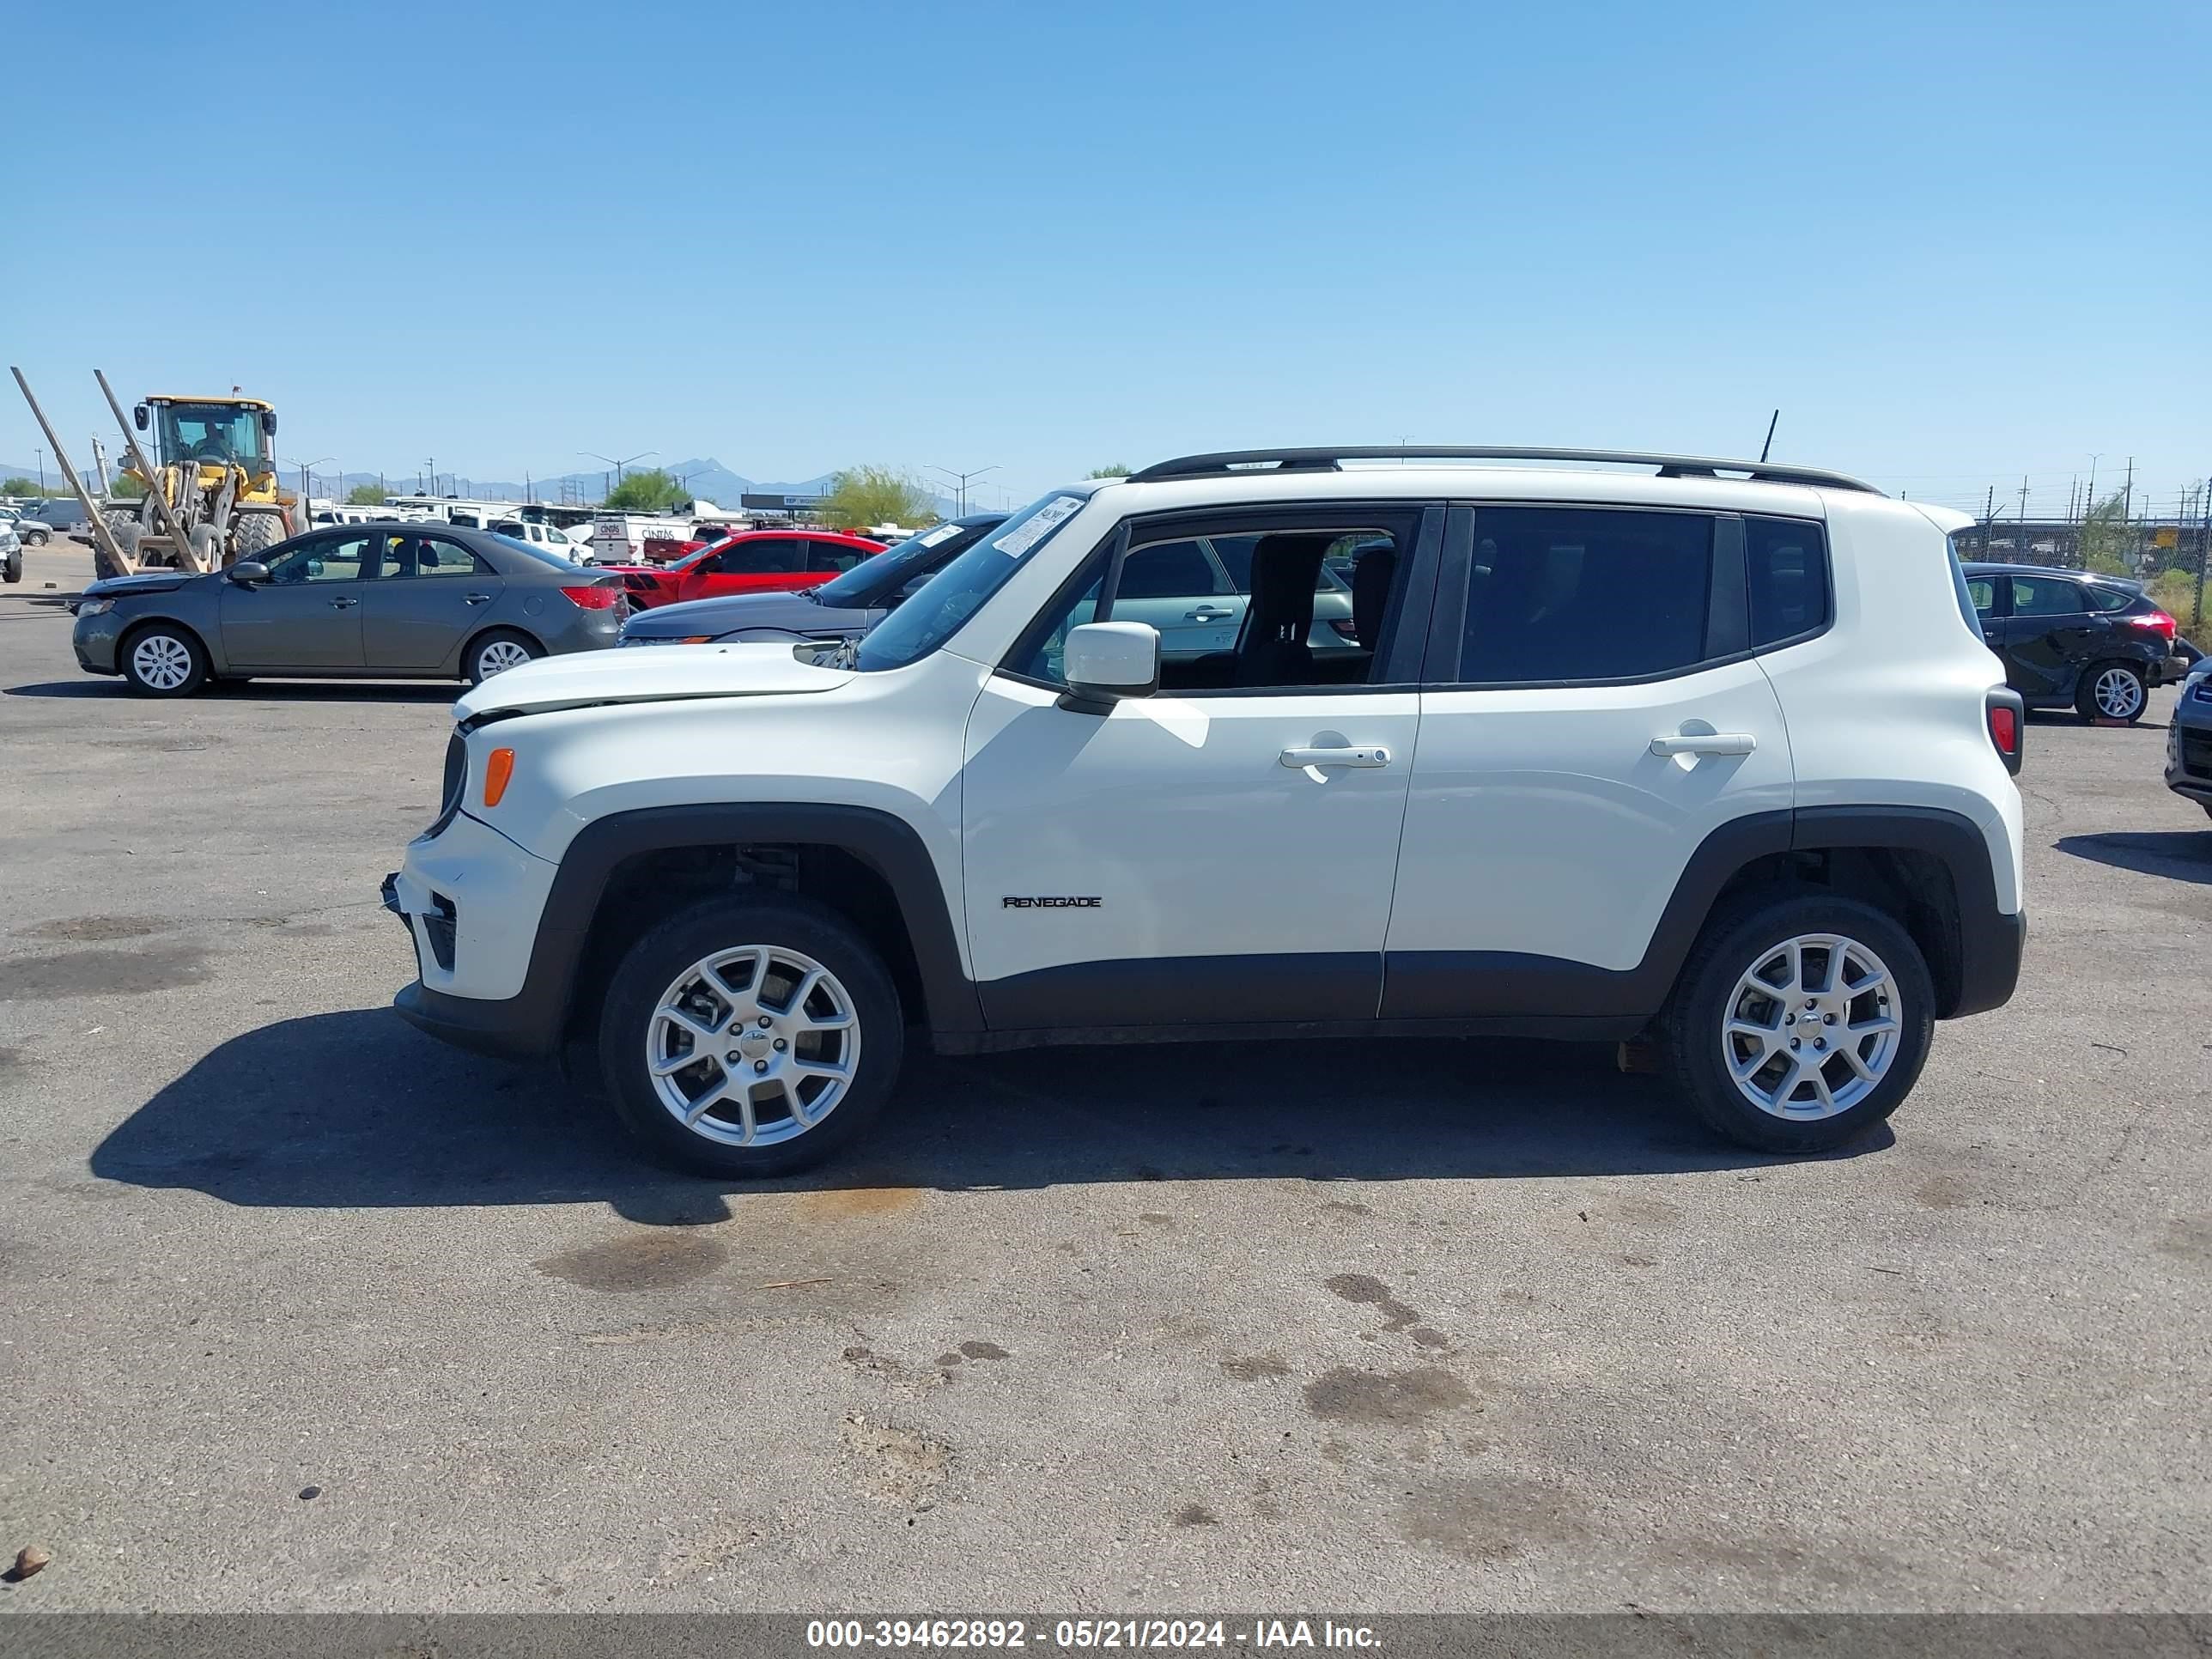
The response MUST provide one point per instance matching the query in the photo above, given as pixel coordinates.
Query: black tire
(14, 571)
(472, 660)
(256, 534)
(2085, 694)
(627, 1027)
(1735, 943)
(206, 545)
(135, 672)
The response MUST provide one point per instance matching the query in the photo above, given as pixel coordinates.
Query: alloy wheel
(500, 656)
(161, 661)
(2119, 694)
(753, 1046)
(1812, 1028)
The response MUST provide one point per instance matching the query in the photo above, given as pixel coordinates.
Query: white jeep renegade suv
(1706, 753)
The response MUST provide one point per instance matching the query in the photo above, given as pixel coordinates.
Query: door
(430, 593)
(2051, 635)
(306, 615)
(1202, 856)
(1584, 735)
(1181, 591)
(1988, 613)
(762, 564)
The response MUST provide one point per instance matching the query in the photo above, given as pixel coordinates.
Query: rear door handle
(1208, 613)
(1706, 743)
(477, 599)
(342, 605)
(1365, 755)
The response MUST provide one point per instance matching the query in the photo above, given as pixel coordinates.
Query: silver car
(380, 601)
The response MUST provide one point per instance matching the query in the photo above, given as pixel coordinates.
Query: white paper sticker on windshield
(1040, 524)
(944, 532)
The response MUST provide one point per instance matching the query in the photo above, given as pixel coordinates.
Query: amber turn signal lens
(496, 773)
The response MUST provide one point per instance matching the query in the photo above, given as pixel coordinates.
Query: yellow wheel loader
(213, 465)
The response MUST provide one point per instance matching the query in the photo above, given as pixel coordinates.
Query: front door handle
(344, 605)
(1365, 755)
(1208, 613)
(477, 599)
(1706, 743)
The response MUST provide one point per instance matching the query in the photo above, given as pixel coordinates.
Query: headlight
(95, 607)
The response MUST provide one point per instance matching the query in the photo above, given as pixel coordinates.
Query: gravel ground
(1415, 1326)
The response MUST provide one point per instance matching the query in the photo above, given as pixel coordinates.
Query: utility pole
(41, 454)
(1988, 514)
(2203, 546)
(2022, 555)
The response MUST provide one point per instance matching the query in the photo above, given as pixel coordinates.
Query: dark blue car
(840, 609)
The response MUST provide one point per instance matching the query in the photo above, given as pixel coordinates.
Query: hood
(152, 581)
(587, 679)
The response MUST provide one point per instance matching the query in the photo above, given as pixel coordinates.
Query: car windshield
(892, 569)
(955, 594)
(211, 432)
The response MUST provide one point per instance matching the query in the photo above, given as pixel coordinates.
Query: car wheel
(34, 538)
(14, 573)
(1800, 1022)
(497, 652)
(750, 1037)
(2111, 691)
(163, 660)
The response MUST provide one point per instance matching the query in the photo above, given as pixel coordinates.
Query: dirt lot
(1149, 1330)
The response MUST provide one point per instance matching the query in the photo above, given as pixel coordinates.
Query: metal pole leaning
(92, 521)
(186, 553)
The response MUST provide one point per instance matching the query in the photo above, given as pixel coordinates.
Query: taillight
(593, 599)
(2006, 715)
(2157, 621)
(1346, 629)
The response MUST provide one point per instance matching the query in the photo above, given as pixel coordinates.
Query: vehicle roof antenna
(1769, 444)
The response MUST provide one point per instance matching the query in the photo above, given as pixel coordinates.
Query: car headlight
(95, 607)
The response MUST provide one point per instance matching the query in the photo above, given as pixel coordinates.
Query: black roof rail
(1224, 462)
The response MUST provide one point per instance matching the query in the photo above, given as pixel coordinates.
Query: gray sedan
(382, 601)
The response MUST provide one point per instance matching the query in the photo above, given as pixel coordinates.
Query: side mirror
(249, 573)
(138, 417)
(268, 422)
(1109, 660)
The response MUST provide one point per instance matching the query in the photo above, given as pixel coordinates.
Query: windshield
(889, 571)
(955, 594)
(211, 432)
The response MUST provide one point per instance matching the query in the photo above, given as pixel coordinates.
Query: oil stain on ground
(101, 973)
(655, 1261)
(97, 930)
(1391, 1399)
(1360, 1287)
(1486, 1518)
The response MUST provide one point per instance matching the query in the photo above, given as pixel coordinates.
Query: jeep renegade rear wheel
(750, 1037)
(1801, 1024)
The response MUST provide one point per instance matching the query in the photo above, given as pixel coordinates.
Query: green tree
(1116, 471)
(862, 496)
(650, 491)
(127, 487)
(23, 489)
(2107, 538)
(365, 496)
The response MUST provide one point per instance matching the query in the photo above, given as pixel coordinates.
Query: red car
(771, 561)
(750, 562)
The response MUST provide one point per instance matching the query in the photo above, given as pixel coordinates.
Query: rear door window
(775, 555)
(1580, 594)
(2046, 596)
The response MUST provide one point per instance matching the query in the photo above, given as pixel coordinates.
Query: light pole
(962, 478)
(612, 462)
(41, 454)
(308, 478)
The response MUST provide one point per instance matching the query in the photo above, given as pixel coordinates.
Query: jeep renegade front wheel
(1801, 1024)
(750, 1037)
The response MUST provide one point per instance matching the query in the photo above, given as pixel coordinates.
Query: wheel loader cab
(213, 432)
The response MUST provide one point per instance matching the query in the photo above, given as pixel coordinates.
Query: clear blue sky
(1953, 242)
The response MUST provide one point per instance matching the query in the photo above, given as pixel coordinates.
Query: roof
(227, 397)
(1221, 463)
